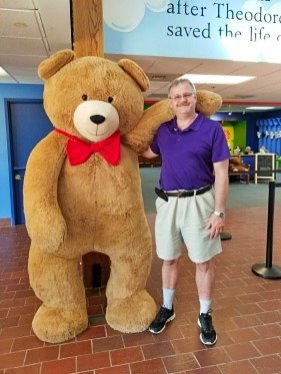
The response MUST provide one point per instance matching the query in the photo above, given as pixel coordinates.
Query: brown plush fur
(236, 165)
(73, 210)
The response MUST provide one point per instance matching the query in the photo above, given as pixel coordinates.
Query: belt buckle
(186, 193)
(181, 194)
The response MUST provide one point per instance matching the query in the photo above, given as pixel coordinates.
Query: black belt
(188, 193)
(183, 193)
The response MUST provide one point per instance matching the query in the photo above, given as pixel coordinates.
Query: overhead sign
(226, 30)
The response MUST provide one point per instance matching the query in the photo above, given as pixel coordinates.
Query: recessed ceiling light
(3, 73)
(260, 107)
(217, 79)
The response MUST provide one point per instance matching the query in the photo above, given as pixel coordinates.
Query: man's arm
(221, 184)
(149, 153)
(216, 223)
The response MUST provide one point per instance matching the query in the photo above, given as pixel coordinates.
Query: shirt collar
(195, 126)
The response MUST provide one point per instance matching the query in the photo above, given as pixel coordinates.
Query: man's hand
(216, 224)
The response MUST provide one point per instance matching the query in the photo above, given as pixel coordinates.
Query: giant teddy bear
(82, 192)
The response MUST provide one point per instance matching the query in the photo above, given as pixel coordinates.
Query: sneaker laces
(162, 313)
(207, 324)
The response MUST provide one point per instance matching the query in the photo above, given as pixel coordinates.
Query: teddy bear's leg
(129, 306)
(56, 281)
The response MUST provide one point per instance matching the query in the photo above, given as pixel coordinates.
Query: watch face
(219, 214)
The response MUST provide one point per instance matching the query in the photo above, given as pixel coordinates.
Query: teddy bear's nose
(97, 119)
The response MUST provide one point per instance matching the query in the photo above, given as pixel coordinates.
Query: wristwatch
(219, 214)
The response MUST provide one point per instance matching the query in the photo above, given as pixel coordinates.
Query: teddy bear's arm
(44, 221)
(140, 137)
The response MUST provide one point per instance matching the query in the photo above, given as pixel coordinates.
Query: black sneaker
(208, 335)
(163, 317)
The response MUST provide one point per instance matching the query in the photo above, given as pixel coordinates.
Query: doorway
(27, 125)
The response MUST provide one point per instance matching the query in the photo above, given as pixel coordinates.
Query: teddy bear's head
(91, 97)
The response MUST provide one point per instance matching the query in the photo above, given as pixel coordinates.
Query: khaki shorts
(183, 221)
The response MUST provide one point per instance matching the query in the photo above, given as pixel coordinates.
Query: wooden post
(87, 27)
(88, 40)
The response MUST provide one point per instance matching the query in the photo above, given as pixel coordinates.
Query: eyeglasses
(185, 96)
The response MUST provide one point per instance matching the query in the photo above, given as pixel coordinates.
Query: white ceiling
(31, 30)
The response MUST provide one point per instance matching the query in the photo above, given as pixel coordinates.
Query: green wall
(239, 127)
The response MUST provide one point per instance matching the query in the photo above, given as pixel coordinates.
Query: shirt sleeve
(154, 145)
(220, 147)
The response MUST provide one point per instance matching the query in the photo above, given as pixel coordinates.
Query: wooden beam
(87, 27)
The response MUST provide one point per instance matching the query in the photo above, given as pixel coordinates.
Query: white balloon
(123, 15)
(156, 5)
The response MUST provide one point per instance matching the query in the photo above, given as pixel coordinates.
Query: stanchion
(268, 270)
(225, 235)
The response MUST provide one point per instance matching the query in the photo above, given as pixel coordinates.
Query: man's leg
(170, 272)
(205, 276)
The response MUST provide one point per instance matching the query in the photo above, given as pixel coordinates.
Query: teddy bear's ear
(135, 72)
(51, 65)
(208, 102)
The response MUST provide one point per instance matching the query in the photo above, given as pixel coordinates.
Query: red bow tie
(79, 151)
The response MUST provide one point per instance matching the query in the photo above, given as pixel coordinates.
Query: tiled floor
(247, 315)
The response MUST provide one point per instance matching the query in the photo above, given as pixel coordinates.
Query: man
(191, 203)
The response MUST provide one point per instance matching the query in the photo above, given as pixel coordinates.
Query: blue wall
(251, 118)
(10, 91)
(251, 123)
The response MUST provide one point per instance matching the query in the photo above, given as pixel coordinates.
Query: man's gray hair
(178, 81)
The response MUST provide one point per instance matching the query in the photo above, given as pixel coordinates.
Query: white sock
(168, 298)
(205, 306)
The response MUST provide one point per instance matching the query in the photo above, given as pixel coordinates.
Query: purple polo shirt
(188, 155)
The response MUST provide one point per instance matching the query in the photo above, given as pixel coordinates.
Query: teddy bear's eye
(84, 97)
(110, 99)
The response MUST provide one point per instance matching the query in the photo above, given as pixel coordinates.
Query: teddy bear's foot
(133, 314)
(56, 325)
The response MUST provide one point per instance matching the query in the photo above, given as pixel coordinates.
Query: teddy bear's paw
(133, 314)
(56, 325)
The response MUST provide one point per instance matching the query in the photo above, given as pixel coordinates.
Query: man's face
(182, 100)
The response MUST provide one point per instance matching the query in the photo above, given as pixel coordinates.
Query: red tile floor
(247, 315)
